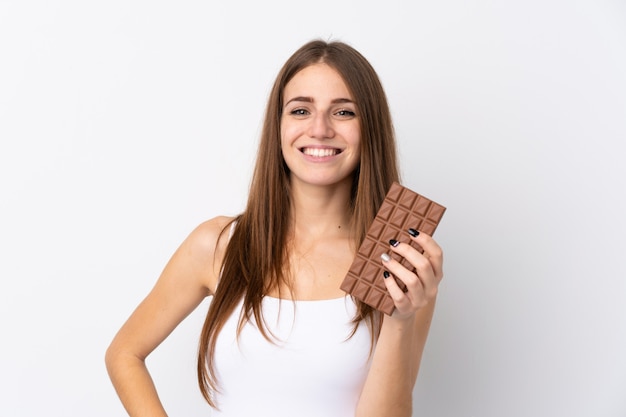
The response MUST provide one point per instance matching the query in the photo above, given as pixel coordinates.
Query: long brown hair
(256, 252)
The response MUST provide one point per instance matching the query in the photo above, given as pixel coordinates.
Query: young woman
(280, 337)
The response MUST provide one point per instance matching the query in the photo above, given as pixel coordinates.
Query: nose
(321, 127)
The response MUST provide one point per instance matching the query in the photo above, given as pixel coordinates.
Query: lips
(320, 152)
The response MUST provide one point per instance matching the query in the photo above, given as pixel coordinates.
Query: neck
(319, 210)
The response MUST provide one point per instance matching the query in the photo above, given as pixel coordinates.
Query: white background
(124, 124)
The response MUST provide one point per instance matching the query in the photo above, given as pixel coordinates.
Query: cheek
(284, 135)
(355, 140)
(354, 134)
(286, 143)
(287, 134)
(356, 143)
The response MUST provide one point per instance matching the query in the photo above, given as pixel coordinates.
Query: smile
(320, 153)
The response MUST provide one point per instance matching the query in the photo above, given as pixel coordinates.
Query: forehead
(317, 80)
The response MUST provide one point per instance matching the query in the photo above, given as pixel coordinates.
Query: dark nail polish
(386, 274)
(413, 232)
(394, 243)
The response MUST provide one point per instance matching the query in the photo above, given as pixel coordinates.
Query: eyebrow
(310, 100)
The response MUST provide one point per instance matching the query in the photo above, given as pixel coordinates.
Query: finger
(392, 286)
(413, 290)
(402, 300)
(408, 279)
(424, 272)
(432, 251)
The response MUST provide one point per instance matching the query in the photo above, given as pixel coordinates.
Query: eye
(299, 112)
(345, 113)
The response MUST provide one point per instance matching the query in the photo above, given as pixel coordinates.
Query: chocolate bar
(401, 209)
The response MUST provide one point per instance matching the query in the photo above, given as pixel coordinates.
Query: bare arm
(190, 275)
(388, 389)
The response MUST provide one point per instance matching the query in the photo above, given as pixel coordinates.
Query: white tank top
(312, 370)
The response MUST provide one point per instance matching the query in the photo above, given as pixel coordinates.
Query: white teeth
(320, 153)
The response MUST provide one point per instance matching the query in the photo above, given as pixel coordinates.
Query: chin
(323, 181)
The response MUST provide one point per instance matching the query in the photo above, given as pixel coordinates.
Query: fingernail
(394, 243)
(413, 232)
(385, 257)
(386, 274)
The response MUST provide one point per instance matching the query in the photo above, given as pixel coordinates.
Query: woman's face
(320, 131)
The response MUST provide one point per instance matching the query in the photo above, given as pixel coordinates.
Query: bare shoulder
(208, 236)
(205, 247)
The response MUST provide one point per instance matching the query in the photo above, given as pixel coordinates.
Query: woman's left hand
(423, 283)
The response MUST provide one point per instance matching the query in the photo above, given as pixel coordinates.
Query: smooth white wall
(124, 124)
